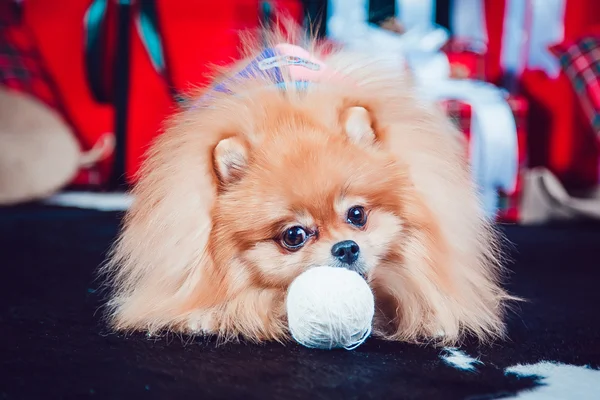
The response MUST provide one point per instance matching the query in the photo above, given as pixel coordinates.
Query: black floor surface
(53, 343)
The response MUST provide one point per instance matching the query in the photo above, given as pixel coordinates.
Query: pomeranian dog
(300, 157)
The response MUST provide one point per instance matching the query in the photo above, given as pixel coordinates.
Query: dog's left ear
(358, 125)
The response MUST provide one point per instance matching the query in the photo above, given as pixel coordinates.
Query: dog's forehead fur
(299, 164)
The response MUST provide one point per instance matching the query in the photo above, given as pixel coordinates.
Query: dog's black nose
(346, 251)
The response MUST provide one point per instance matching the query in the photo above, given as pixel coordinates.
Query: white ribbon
(493, 144)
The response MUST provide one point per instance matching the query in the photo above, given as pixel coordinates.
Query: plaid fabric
(460, 114)
(510, 203)
(581, 62)
(466, 59)
(21, 67)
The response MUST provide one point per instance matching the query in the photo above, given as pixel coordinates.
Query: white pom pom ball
(330, 308)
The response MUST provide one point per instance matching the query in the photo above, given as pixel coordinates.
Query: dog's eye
(294, 238)
(357, 216)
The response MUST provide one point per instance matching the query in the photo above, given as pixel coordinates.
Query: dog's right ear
(230, 158)
(358, 125)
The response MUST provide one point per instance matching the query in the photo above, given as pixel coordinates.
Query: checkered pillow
(581, 62)
(21, 66)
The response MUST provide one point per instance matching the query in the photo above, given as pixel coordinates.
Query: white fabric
(514, 37)
(347, 19)
(429, 66)
(467, 19)
(348, 23)
(547, 29)
(415, 14)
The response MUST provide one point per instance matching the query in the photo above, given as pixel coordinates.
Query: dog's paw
(439, 334)
(201, 323)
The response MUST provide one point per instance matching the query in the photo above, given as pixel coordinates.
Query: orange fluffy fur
(198, 252)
